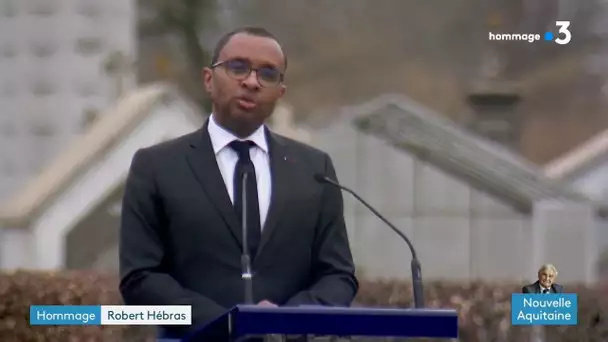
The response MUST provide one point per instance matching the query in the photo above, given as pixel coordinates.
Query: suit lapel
(204, 165)
(280, 176)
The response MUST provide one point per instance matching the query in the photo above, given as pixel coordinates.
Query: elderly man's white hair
(548, 267)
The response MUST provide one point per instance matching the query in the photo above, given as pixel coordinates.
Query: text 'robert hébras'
(110, 315)
(544, 309)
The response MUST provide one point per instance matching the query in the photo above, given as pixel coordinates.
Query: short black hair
(250, 30)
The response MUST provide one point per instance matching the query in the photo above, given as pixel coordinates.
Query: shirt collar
(220, 137)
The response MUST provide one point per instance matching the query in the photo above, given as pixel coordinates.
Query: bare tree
(180, 21)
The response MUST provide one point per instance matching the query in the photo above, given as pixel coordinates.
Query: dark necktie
(244, 164)
(545, 291)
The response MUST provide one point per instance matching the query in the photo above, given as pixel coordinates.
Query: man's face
(546, 278)
(243, 100)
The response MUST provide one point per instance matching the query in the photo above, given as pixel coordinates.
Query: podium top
(253, 320)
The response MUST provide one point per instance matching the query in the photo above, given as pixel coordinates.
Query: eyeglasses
(239, 69)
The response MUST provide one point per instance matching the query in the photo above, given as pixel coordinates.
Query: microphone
(415, 264)
(246, 274)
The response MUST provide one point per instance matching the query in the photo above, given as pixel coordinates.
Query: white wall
(108, 172)
(459, 232)
(594, 182)
(565, 235)
(16, 250)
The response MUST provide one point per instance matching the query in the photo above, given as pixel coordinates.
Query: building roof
(581, 158)
(117, 122)
(483, 164)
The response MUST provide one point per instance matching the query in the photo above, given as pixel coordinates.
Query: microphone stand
(415, 264)
(245, 258)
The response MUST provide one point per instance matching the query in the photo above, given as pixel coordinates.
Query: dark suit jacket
(535, 288)
(180, 238)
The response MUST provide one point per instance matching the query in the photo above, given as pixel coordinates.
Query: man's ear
(208, 79)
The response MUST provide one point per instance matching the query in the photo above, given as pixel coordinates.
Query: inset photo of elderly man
(547, 274)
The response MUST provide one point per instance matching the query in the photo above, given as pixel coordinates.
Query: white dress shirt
(226, 160)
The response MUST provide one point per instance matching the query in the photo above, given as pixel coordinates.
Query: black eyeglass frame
(257, 74)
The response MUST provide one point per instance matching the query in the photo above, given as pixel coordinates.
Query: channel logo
(563, 35)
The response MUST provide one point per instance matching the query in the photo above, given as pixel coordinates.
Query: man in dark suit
(181, 233)
(546, 281)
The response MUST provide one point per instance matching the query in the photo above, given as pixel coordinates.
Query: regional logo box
(544, 309)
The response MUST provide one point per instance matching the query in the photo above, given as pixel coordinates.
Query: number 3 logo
(563, 30)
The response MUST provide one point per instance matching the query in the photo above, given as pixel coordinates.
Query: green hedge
(484, 309)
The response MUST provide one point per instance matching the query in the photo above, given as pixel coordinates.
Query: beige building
(61, 63)
(472, 209)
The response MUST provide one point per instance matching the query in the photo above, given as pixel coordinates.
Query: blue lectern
(258, 321)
